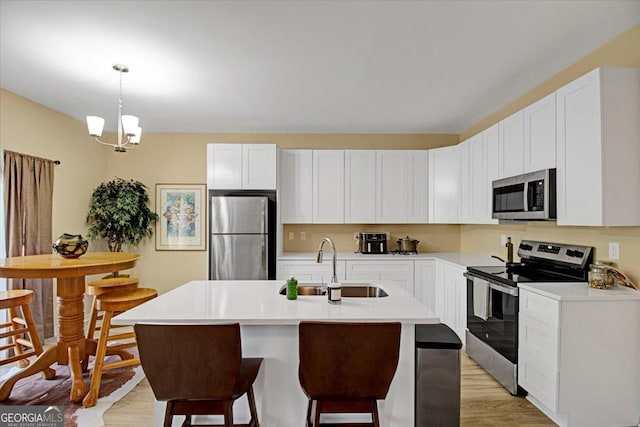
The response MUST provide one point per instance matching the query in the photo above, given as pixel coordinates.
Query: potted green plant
(119, 211)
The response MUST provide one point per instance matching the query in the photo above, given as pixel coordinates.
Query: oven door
(492, 315)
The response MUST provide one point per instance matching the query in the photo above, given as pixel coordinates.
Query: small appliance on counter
(407, 246)
(372, 243)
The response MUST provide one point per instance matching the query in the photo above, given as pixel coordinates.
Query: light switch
(292, 235)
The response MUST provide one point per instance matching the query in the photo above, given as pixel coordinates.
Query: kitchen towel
(480, 298)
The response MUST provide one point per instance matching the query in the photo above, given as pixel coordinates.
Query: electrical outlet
(355, 236)
(614, 250)
(292, 235)
(303, 235)
(503, 239)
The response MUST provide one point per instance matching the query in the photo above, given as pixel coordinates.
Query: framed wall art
(182, 217)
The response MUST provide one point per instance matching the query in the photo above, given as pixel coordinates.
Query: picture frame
(181, 225)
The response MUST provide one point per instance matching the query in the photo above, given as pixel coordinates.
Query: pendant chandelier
(129, 132)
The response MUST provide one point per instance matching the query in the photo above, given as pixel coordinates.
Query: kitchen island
(269, 329)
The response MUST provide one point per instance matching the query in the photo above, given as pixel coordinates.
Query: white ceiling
(297, 66)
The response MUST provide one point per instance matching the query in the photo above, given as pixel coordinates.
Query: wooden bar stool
(198, 369)
(113, 303)
(347, 367)
(99, 287)
(20, 322)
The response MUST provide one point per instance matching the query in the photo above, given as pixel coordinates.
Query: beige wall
(432, 237)
(30, 128)
(624, 50)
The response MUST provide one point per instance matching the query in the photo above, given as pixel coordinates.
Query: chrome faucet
(334, 278)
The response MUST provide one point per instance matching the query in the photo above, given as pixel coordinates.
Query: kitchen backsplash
(482, 240)
(432, 237)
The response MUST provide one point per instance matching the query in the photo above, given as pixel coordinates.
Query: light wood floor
(484, 402)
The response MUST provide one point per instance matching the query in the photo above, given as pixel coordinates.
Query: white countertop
(259, 303)
(581, 291)
(457, 258)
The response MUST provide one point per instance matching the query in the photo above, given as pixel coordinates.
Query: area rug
(35, 390)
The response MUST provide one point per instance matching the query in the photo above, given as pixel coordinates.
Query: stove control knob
(525, 247)
(571, 252)
(578, 254)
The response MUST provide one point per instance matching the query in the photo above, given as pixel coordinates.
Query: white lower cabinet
(578, 359)
(425, 282)
(309, 271)
(383, 271)
(451, 297)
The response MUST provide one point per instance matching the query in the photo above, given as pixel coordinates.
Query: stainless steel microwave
(527, 197)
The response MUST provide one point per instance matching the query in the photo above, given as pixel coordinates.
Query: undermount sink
(351, 290)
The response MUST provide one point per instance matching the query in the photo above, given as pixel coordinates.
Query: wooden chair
(347, 367)
(99, 287)
(113, 303)
(197, 369)
(20, 322)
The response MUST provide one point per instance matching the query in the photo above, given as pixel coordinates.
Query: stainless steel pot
(408, 245)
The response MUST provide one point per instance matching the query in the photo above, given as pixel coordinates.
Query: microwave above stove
(527, 197)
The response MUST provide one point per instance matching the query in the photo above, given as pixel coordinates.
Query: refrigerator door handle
(262, 216)
(264, 253)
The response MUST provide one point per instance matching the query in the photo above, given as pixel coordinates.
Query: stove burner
(399, 252)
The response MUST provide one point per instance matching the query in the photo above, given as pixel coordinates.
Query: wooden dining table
(71, 343)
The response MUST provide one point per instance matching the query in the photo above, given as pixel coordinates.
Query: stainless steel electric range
(492, 302)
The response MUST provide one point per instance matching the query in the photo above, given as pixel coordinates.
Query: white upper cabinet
(241, 166)
(328, 186)
(598, 147)
(359, 186)
(491, 147)
(296, 186)
(443, 185)
(540, 134)
(224, 166)
(465, 195)
(511, 145)
(393, 186)
(419, 183)
(478, 185)
(474, 185)
(259, 166)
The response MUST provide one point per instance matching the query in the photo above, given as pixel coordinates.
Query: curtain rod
(56, 162)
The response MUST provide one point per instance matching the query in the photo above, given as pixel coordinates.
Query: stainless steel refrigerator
(242, 241)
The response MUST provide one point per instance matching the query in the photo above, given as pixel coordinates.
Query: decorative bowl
(71, 245)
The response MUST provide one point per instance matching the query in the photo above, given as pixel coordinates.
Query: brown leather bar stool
(99, 287)
(197, 369)
(347, 367)
(20, 322)
(113, 303)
